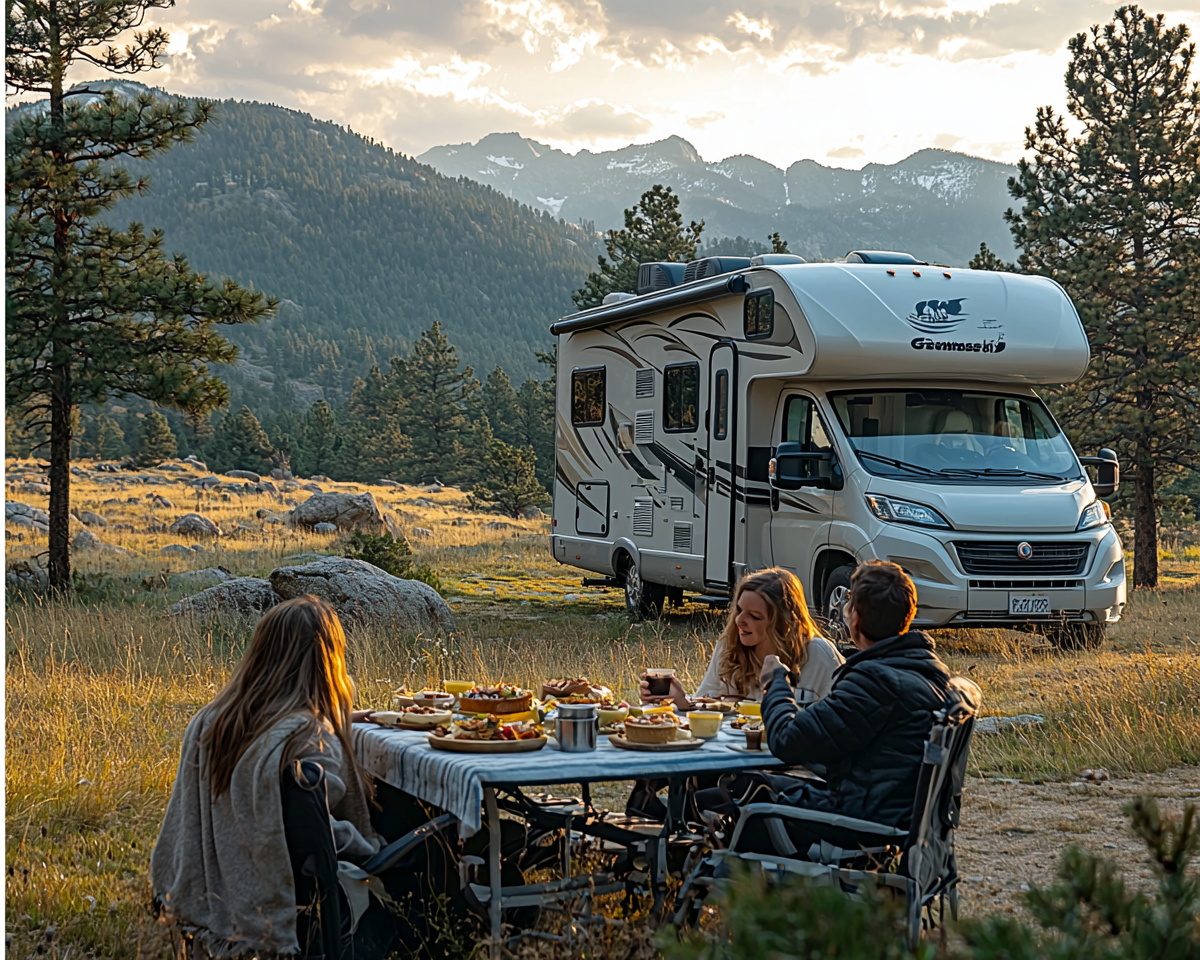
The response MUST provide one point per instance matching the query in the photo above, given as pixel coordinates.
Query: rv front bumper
(956, 590)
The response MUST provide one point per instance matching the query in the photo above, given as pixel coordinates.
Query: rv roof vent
(775, 259)
(882, 256)
(659, 276)
(616, 297)
(644, 382)
(711, 266)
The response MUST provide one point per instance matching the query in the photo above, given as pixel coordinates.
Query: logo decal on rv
(937, 316)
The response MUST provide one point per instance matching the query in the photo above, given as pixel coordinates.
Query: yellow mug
(704, 724)
(458, 687)
(748, 708)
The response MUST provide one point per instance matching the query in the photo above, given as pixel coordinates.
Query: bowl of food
(613, 713)
(705, 723)
(424, 718)
(565, 687)
(488, 734)
(713, 705)
(433, 698)
(503, 698)
(658, 728)
(457, 688)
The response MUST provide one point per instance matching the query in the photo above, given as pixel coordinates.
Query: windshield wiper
(892, 461)
(1000, 472)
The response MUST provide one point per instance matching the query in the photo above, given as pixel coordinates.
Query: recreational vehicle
(744, 413)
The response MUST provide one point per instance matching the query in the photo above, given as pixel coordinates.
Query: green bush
(391, 556)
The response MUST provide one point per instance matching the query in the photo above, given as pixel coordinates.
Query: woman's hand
(361, 716)
(677, 695)
(770, 665)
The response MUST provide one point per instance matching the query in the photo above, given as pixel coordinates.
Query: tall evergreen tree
(156, 442)
(93, 311)
(240, 443)
(103, 438)
(986, 260)
(653, 231)
(320, 441)
(778, 244)
(1113, 214)
(498, 400)
(435, 393)
(509, 482)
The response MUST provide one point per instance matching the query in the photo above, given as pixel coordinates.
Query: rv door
(722, 470)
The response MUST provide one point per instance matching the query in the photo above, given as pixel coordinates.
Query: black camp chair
(322, 924)
(918, 863)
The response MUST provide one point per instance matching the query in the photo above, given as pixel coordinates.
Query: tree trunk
(60, 481)
(1145, 526)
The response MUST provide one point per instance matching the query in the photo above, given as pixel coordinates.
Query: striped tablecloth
(455, 781)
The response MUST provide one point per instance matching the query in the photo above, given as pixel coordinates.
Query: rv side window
(681, 396)
(721, 403)
(759, 319)
(587, 396)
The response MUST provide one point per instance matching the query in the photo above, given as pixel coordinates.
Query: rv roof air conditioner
(775, 260)
(711, 266)
(616, 297)
(659, 276)
(883, 256)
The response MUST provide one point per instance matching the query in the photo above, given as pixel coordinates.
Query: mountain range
(935, 204)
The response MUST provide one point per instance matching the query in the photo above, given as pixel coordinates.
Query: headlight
(1093, 515)
(905, 511)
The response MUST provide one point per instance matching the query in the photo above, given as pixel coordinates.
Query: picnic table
(466, 785)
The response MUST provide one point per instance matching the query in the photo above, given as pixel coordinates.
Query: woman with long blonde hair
(767, 616)
(221, 866)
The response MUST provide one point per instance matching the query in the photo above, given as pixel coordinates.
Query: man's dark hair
(884, 598)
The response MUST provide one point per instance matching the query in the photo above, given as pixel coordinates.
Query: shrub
(391, 556)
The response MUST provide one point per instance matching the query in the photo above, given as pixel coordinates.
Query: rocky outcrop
(93, 519)
(192, 579)
(23, 515)
(243, 475)
(324, 528)
(347, 511)
(364, 593)
(240, 597)
(86, 540)
(196, 525)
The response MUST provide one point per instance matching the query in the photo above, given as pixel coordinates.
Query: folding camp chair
(917, 862)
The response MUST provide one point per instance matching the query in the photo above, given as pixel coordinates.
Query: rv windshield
(955, 436)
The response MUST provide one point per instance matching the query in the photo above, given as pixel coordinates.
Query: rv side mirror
(789, 468)
(1108, 471)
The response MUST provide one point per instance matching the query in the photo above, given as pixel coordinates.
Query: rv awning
(734, 284)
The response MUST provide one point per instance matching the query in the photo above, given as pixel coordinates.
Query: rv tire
(833, 596)
(643, 601)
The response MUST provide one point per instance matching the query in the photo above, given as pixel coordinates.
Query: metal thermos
(578, 727)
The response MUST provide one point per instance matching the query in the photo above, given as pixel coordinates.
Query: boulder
(93, 519)
(461, 522)
(421, 502)
(281, 473)
(196, 525)
(172, 467)
(196, 548)
(364, 593)
(433, 488)
(239, 597)
(319, 478)
(24, 574)
(290, 486)
(86, 540)
(243, 475)
(208, 577)
(421, 533)
(207, 483)
(533, 513)
(324, 528)
(311, 487)
(108, 468)
(79, 471)
(42, 489)
(160, 501)
(390, 484)
(176, 549)
(266, 486)
(23, 515)
(348, 511)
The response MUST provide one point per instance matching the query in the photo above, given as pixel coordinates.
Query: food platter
(424, 721)
(671, 746)
(454, 745)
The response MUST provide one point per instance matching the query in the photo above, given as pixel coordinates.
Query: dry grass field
(99, 690)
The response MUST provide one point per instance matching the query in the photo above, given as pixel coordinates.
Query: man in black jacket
(869, 732)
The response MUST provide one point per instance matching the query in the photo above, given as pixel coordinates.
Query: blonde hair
(296, 663)
(789, 626)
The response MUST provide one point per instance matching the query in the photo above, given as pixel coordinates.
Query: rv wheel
(643, 601)
(833, 601)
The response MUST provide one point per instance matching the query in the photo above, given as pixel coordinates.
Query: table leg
(494, 904)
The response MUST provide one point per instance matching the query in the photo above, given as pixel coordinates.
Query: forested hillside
(365, 247)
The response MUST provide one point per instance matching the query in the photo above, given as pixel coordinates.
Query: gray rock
(37, 488)
(240, 597)
(207, 483)
(196, 548)
(325, 528)
(266, 486)
(312, 487)
(319, 478)
(243, 475)
(500, 525)
(176, 549)
(79, 471)
(161, 501)
(195, 524)
(23, 515)
(196, 464)
(533, 513)
(421, 533)
(23, 574)
(348, 511)
(366, 594)
(108, 468)
(93, 519)
(86, 540)
(172, 467)
(433, 488)
(390, 484)
(461, 522)
(421, 502)
(281, 473)
(998, 724)
(290, 486)
(193, 579)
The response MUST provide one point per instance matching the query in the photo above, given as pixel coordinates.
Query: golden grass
(98, 695)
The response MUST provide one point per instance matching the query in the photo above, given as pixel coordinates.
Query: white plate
(672, 746)
(486, 746)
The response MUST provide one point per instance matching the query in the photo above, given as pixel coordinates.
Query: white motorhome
(740, 414)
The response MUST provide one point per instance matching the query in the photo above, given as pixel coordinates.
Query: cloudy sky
(844, 82)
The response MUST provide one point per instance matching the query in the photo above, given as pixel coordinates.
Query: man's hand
(770, 665)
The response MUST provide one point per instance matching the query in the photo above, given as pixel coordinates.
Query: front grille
(1025, 584)
(999, 558)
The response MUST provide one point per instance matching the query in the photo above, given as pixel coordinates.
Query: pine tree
(986, 260)
(156, 442)
(435, 395)
(103, 438)
(240, 443)
(1113, 214)
(92, 311)
(372, 443)
(653, 231)
(778, 244)
(498, 400)
(509, 482)
(320, 441)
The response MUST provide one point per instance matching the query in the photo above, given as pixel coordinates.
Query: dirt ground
(1012, 833)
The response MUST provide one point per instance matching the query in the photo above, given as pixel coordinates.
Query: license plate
(1021, 606)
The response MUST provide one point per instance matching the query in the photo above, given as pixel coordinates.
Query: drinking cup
(754, 736)
(659, 680)
(749, 708)
(458, 687)
(705, 724)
